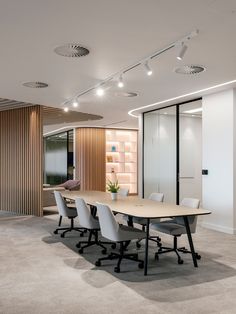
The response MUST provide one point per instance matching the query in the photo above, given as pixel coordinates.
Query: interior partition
(21, 161)
(90, 151)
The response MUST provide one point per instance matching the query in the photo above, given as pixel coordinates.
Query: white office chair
(123, 192)
(65, 211)
(88, 222)
(176, 228)
(158, 197)
(112, 231)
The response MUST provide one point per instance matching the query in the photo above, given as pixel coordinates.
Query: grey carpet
(42, 273)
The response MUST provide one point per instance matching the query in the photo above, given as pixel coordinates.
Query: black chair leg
(68, 229)
(59, 223)
(90, 242)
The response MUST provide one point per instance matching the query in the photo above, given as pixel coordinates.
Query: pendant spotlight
(75, 103)
(100, 91)
(147, 68)
(120, 82)
(182, 51)
(98, 88)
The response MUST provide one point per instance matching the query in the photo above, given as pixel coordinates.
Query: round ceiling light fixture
(71, 51)
(190, 69)
(35, 84)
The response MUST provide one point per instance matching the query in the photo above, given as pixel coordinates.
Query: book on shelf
(109, 158)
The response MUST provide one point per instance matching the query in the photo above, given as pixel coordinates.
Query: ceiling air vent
(71, 50)
(35, 84)
(126, 94)
(190, 69)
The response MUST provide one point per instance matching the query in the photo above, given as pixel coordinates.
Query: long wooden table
(143, 208)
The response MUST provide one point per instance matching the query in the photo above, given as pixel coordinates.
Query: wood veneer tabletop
(134, 205)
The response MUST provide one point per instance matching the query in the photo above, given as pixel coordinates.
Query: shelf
(126, 151)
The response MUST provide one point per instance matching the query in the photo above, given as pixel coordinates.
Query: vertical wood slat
(90, 158)
(21, 160)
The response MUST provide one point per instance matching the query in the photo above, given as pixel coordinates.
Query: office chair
(65, 211)
(112, 231)
(158, 197)
(91, 224)
(176, 228)
(123, 192)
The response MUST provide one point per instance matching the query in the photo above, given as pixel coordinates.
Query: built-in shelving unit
(121, 156)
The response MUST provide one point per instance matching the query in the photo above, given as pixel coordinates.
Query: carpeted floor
(43, 273)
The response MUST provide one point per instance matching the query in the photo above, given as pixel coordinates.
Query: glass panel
(160, 153)
(190, 150)
(55, 159)
(70, 155)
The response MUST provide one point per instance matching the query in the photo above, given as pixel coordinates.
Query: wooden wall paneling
(90, 158)
(21, 160)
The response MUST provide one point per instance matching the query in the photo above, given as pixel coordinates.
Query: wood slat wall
(21, 160)
(90, 158)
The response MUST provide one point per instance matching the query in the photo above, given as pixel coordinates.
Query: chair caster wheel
(81, 234)
(113, 246)
(156, 257)
(138, 245)
(81, 251)
(62, 235)
(55, 232)
(97, 263)
(104, 251)
(141, 265)
(198, 256)
(78, 245)
(117, 269)
(180, 261)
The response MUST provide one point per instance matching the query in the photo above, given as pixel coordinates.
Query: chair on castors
(112, 231)
(158, 197)
(65, 211)
(176, 227)
(91, 224)
(123, 192)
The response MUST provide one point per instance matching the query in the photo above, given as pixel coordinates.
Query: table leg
(146, 248)
(190, 240)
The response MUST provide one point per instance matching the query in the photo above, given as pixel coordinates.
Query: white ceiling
(117, 33)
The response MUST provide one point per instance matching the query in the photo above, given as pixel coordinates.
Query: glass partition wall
(58, 158)
(172, 152)
(160, 153)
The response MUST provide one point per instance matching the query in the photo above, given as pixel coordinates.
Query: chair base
(175, 249)
(69, 229)
(91, 242)
(151, 238)
(120, 256)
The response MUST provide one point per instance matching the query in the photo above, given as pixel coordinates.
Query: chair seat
(168, 227)
(127, 233)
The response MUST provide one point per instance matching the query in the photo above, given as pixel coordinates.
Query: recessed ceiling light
(190, 69)
(71, 50)
(35, 84)
(66, 109)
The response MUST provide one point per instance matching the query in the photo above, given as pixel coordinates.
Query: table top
(135, 206)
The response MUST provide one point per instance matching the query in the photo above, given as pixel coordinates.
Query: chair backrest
(192, 203)
(61, 204)
(86, 220)
(108, 224)
(158, 197)
(123, 192)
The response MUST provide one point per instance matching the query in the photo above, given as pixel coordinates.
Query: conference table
(133, 206)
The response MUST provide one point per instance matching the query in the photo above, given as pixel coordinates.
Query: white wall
(218, 191)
